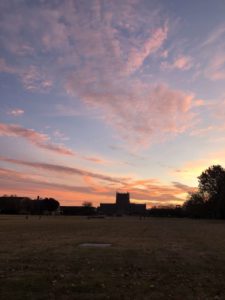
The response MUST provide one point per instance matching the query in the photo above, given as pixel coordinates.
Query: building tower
(123, 202)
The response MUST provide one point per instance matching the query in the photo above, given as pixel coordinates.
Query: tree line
(209, 199)
(19, 205)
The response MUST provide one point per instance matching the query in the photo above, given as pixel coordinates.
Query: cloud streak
(38, 139)
(149, 190)
(212, 50)
(63, 169)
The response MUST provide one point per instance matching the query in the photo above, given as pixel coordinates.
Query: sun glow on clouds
(131, 64)
(149, 190)
(192, 169)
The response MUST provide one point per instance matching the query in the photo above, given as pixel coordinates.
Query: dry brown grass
(149, 259)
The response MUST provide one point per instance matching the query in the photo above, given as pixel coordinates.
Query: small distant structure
(122, 206)
(77, 210)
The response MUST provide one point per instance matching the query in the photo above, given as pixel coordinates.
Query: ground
(149, 259)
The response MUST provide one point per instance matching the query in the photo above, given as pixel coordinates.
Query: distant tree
(195, 205)
(166, 211)
(49, 204)
(10, 204)
(87, 208)
(209, 200)
(211, 180)
(14, 205)
(212, 186)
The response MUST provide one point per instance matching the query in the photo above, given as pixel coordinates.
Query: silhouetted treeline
(209, 200)
(167, 211)
(84, 210)
(25, 205)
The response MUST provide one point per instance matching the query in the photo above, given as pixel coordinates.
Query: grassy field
(149, 259)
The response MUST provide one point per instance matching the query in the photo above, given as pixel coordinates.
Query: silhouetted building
(122, 206)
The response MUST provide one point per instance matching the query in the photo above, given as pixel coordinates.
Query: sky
(99, 96)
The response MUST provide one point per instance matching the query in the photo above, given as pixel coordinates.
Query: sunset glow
(104, 96)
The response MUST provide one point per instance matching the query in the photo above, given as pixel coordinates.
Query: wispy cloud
(60, 135)
(152, 44)
(38, 139)
(184, 187)
(32, 77)
(212, 50)
(96, 159)
(64, 169)
(16, 112)
(214, 36)
(216, 67)
(214, 129)
(182, 63)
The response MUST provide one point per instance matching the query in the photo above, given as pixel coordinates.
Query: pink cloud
(182, 63)
(140, 113)
(77, 34)
(97, 160)
(14, 182)
(137, 56)
(16, 112)
(38, 139)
